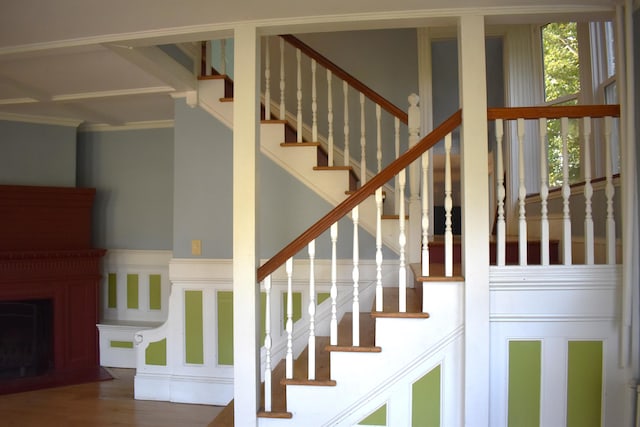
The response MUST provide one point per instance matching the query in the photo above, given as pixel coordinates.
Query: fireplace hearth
(49, 278)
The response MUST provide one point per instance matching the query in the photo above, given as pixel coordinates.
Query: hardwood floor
(104, 403)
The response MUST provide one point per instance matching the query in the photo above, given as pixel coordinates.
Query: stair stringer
(298, 161)
(365, 381)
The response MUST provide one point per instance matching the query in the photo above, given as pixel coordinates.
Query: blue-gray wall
(37, 154)
(132, 172)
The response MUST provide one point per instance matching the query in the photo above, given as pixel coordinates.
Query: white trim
(150, 124)
(275, 25)
(41, 120)
(549, 318)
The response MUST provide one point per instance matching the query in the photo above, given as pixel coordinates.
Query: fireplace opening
(26, 338)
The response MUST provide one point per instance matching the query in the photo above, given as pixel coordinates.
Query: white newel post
(415, 207)
(475, 218)
(246, 299)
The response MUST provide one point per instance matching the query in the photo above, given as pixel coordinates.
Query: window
(561, 69)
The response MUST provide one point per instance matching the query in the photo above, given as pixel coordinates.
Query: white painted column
(245, 230)
(475, 218)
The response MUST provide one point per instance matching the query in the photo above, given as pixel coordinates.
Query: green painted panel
(225, 328)
(121, 344)
(193, 327)
(377, 418)
(156, 353)
(322, 297)
(112, 291)
(155, 292)
(425, 400)
(132, 291)
(297, 306)
(524, 383)
(584, 384)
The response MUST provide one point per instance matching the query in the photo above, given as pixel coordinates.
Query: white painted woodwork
(378, 138)
(402, 241)
(425, 216)
(566, 193)
(299, 95)
(355, 308)
(414, 235)
(267, 81)
(609, 192)
(312, 312)
(448, 206)
(363, 143)
(345, 92)
(501, 193)
(334, 289)
(544, 194)
(223, 56)
(283, 109)
(475, 216)
(330, 142)
(378, 197)
(207, 69)
(314, 103)
(289, 324)
(267, 344)
(399, 197)
(246, 301)
(588, 192)
(522, 195)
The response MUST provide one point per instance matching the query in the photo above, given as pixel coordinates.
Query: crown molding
(151, 124)
(41, 120)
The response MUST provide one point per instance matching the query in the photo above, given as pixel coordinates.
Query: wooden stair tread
(332, 168)
(323, 370)
(390, 298)
(214, 77)
(345, 335)
(299, 144)
(437, 273)
(224, 418)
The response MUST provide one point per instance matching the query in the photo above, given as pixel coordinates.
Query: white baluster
(223, 56)
(378, 198)
(334, 287)
(208, 65)
(289, 326)
(299, 96)
(267, 81)
(379, 137)
(312, 311)
(566, 193)
(500, 226)
(330, 119)
(399, 198)
(402, 241)
(347, 156)
(267, 344)
(448, 206)
(282, 105)
(425, 215)
(522, 195)
(314, 103)
(609, 192)
(363, 144)
(356, 279)
(588, 193)
(544, 194)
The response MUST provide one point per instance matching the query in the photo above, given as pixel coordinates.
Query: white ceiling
(93, 61)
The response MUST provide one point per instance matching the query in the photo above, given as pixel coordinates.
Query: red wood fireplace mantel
(46, 254)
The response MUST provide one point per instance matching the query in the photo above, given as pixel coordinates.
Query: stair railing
(584, 118)
(313, 92)
(330, 222)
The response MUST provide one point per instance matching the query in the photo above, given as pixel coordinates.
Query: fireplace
(49, 278)
(26, 338)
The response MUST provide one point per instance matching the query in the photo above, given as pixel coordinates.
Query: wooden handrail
(360, 195)
(553, 112)
(352, 81)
